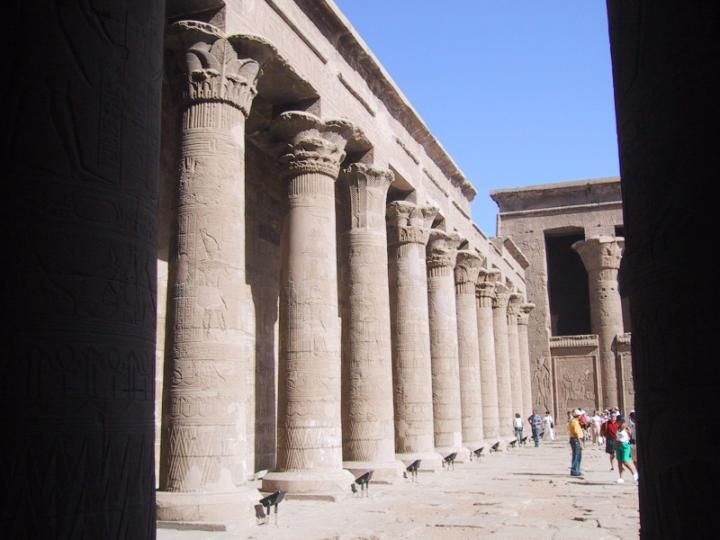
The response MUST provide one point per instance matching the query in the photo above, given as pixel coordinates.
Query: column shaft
(204, 445)
(408, 231)
(601, 257)
(514, 356)
(368, 428)
(484, 294)
(523, 344)
(466, 272)
(502, 360)
(447, 411)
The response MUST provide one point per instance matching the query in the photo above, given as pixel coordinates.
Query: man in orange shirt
(576, 434)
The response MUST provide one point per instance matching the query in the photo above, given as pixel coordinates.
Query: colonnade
(426, 360)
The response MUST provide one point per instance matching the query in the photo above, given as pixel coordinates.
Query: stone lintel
(588, 341)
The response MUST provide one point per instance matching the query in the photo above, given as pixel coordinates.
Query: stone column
(601, 257)
(81, 134)
(502, 359)
(447, 411)
(204, 441)
(368, 429)
(467, 268)
(525, 376)
(513, 311)
(484, 295)
(408, 232)
(309, 456)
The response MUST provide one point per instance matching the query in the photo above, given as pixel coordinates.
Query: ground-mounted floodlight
(523, 441)
(413, 469)
(513, 443)
(478, 452)
(363, 481)
(495, 447)
(449, 461)
(272, 500)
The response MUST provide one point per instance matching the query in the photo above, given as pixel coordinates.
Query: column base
(383, 473)
(204, 507)
(431, 461)
(320, 484)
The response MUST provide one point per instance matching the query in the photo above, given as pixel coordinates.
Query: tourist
(536, 426)
(518, 425)
(622, 450)
(549, 425)
(609, 431)
(575, 433)
(595, 428)
(633, 438)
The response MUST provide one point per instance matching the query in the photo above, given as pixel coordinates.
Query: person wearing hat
(576, 434)
(609, 431)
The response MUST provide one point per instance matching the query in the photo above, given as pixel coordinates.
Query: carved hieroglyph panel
(575, 383)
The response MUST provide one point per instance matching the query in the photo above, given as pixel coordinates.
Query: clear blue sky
(519, 92)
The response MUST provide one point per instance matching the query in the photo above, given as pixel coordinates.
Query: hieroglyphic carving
(408, 230)
(205, 448)
(467, 268)
(601, 257)
(309, 408)
(442, 311)
(368, 429)
(575, 383)
(542, 385)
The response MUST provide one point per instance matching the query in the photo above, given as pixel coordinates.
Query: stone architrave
(467, 268)
(368, 426)
(447, 407)
(513, 310)
(502, 359)
(309, 453)
(523, 343)
(204, 450)
(408, 232)
(601, 256)
(484, 295)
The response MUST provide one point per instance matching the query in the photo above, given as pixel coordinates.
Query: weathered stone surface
(368, 427)
(523, 318)
(484, 294)
(204, 446)
(502, 359)
(447, 411)
(309, 414)
(467, 268)
(601, 256)
(408, 233)
(513, 310)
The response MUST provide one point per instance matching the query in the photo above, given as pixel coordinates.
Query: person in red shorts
(609, 431)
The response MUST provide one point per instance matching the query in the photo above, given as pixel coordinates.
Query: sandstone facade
(318, 317)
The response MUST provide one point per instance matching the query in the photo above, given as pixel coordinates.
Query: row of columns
(431, 355)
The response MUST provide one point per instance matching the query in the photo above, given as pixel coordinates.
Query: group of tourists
(540, 426)
(610, 428)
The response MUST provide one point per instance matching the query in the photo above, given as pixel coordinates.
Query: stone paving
(524, 493)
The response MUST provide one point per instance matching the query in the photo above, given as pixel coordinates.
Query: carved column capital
(485, 286)
(524, 315)
(467, 268)
(409, 223)
(218, 68)
(600, 253)
(513, 308)
(368, 187)
(502, 296)
(314, 146)
(441, 251)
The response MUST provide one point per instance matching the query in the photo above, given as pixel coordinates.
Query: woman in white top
(518, 425)
(549, 425)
